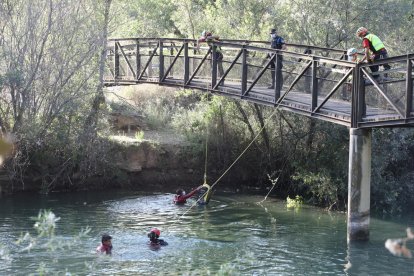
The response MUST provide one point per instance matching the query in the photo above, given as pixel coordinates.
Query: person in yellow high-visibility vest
(374, 49)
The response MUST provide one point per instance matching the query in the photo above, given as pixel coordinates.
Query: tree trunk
(91, 121)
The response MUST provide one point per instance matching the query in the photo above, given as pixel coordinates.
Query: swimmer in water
(181, 197)
(154, 241)
(106, 245)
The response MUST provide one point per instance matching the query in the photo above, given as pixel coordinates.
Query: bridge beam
(359, 177)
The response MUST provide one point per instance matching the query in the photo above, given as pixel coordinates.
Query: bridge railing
(313, 81)
(387, 93)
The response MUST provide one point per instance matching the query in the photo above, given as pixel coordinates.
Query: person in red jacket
(181, 197)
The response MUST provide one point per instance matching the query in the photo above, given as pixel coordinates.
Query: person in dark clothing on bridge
(181, 197)
(155, 241)
(277, 42)
(374, 50)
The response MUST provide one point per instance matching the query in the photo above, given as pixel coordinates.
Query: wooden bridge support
(359, 176)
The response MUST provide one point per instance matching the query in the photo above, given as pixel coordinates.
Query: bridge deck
(318, 84)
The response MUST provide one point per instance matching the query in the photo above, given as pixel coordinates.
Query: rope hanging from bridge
(206, 157)
(238, 157)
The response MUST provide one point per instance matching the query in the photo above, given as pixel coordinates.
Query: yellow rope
(205, 162)
(240, 155)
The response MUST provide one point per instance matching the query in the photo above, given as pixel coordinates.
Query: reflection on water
(232, 234)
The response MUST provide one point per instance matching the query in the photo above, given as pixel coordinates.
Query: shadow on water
(233, 234)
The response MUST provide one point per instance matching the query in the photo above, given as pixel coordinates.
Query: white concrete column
(359, 178)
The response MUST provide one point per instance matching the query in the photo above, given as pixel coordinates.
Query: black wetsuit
(158, 242)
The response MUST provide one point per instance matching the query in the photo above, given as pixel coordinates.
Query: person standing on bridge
(209, 38)
(374, 50)
(276, 42)
(352, 54)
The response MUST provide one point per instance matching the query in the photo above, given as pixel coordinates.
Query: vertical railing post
(194, 59)
(116, 60)
(137, 60)
(307, 77)
(278, 76)
(213, 66)
(150, 52)
(161, 61)
(345, 90)
(361, 96)
(354, 97)
(409, 88)
(314, 85)
(186, 63)
(244, 71)
(172, 45)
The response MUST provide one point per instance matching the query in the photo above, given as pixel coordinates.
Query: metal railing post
(186, 63)
(314, 85)
(244, 71)
(278, 76)
(137, 60)
(362, 109)
(409, 89)
(161, 62)
(354, 97)
(308, 78)
(116, 60)
(214, 66)
(172, 45)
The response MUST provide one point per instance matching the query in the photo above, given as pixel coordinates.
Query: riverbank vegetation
(53, 103)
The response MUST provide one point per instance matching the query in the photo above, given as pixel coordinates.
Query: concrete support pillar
(359, 177)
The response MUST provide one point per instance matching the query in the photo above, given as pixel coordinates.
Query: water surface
(232, 235)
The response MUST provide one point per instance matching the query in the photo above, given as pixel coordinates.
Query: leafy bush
(296, 202)
(139, 135)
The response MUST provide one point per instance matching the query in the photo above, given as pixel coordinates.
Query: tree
(49, 68)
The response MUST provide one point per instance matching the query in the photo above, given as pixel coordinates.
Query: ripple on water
(232, 233)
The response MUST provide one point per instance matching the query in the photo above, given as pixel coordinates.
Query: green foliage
(392, 170)
(48, 79)
(45, 238)
(318, 187)
(296, 202)
(139, 135)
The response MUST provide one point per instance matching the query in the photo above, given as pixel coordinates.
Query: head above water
(105, 238)
(154, 234)
(180, 192)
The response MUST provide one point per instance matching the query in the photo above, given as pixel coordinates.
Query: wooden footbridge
(312, 81)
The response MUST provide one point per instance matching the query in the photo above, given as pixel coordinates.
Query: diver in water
(181, 197)
(154, 235)
(204, 194)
